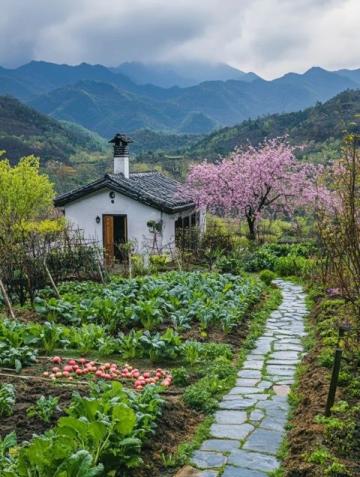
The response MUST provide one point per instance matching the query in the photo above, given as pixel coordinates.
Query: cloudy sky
(270, 37)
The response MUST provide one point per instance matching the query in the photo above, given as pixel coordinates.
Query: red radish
(82, 360)
(79, 372)
(71, 362)
(45, 373)
(68, 368)
(146, 375)
(58, 374)
(66, 374)
(107, 365)
(98, 374)
(70, 378)
(56, 359)
(55, 370)
(51, 375)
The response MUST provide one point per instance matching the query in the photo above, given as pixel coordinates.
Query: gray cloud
(266, 36)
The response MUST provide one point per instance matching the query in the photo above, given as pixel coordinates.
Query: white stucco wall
(82, 214)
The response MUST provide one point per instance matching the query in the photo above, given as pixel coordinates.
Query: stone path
(250, 423)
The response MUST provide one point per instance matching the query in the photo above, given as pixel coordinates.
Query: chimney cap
(121, 139)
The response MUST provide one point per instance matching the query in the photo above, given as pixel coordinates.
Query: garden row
(104, 424)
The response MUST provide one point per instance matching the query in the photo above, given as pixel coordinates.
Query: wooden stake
(7, 300)
(51, 280)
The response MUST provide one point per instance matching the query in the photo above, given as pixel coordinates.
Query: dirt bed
(306, 435)
(27, 393)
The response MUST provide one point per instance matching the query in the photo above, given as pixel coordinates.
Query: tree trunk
(252, 230)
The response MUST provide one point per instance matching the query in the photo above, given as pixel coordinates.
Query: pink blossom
(255, 180)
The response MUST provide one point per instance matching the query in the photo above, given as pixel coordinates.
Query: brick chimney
(121, 154)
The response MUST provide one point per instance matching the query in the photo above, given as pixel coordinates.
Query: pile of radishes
(72, 368)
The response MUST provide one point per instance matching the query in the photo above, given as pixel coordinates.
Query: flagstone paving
(250, 423)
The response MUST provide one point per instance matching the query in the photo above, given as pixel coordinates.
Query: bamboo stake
(7, 300)
(51, 279)
(101, 273)
(40, 378)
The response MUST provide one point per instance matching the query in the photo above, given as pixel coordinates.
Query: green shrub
(159, 262)
(180, 376)
(260, 259)
(293, 265)
(229, 264)
(267, 276)
(199, 397)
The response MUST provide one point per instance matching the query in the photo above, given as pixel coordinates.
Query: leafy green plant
(6, 444)
(102, 433)
(44, 408)
(192, 352)
(130, 344)
(148, 313)
(180, 376)
(267, 276)
(16, 358)
(7, 399)
(50, 336)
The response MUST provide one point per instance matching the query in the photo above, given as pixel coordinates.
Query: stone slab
(231, 471)
(230, 417)
(264, 440)
(208, 460)
(238, 404)
(253, 460)
(220, 445)
(228, 431)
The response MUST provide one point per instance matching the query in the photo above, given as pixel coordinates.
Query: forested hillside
(24, 131)
(314, 126)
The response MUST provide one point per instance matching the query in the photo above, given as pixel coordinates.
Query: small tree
(25, 196)
(253, 181)
(25, 201)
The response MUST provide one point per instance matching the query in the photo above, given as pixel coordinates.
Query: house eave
(108, 183)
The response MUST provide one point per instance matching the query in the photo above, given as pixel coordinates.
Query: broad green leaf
(125, 418)
(98, 431)
(79, 464)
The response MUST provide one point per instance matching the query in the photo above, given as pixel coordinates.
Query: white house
(125, 206)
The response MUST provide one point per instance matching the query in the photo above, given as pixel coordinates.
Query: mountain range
(106, 100)
(181, 74)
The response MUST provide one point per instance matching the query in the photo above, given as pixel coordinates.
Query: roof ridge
(151, 188)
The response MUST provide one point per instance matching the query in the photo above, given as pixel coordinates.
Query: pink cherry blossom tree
(254, 181)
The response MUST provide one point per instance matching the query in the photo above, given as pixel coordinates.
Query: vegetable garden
(99, 373)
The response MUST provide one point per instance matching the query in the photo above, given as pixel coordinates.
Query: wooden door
(108, 238)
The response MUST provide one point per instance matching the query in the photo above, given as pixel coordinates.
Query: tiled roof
(150, 188)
